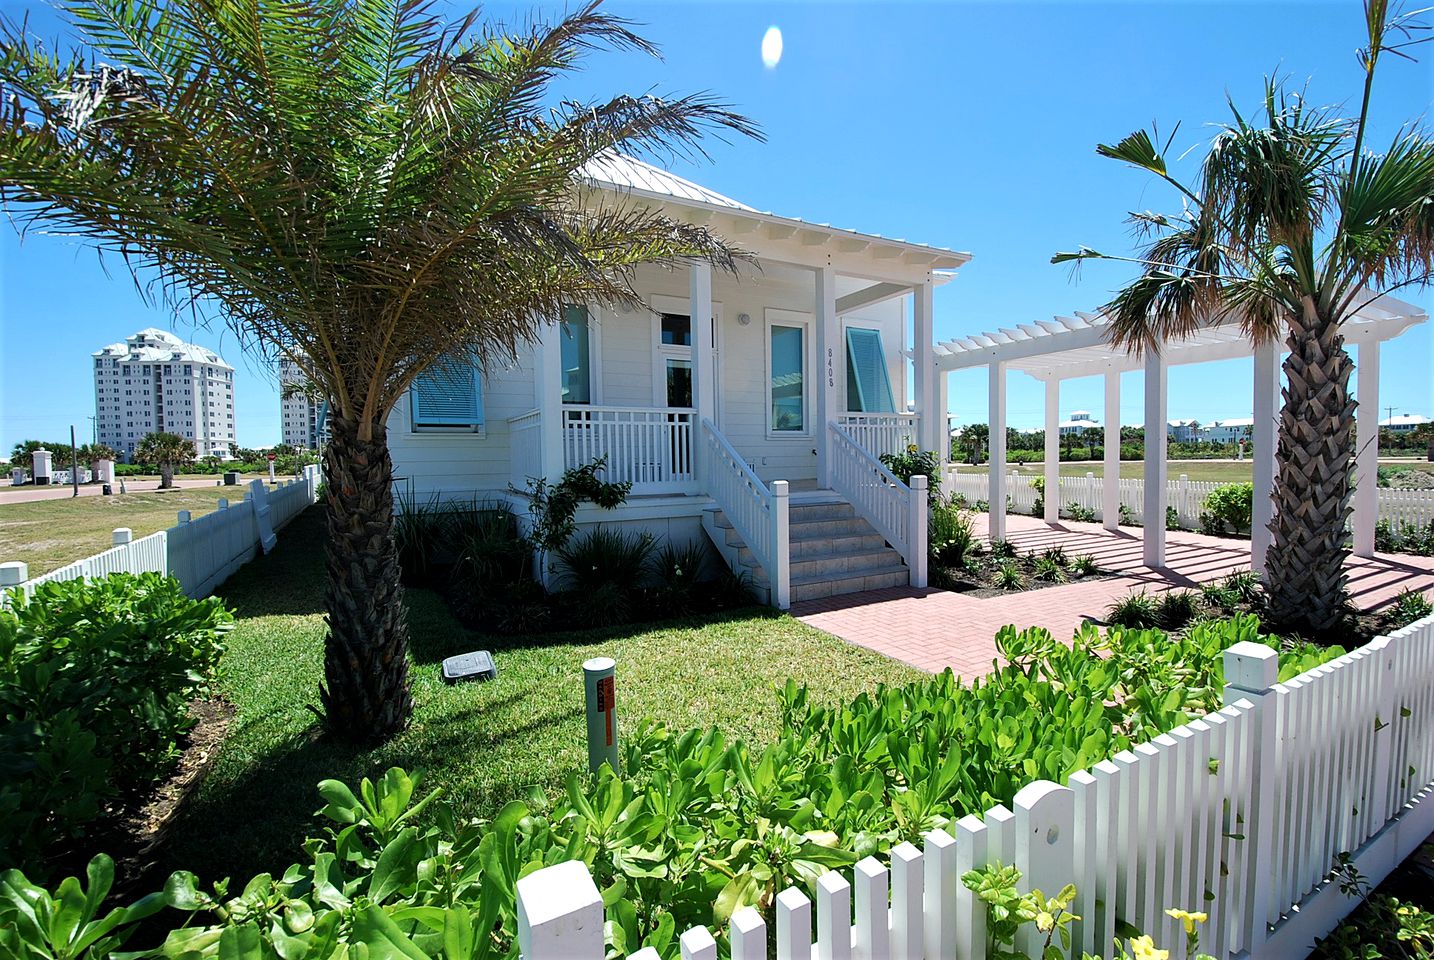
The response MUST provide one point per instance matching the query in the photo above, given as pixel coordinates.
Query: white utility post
(1156, 495)
(1263, 433)
(830, 351)
(1051, 496)
(1110, 483)
(704, 382)
(548, 389)
(923, 362)
(996, 431)
(1366, 458)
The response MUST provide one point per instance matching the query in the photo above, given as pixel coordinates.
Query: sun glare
(772, 47)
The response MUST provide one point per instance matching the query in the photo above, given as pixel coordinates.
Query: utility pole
(74, 463)
(94, 430)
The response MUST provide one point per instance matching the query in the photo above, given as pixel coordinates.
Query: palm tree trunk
(1306, 579)
(166, 476)
(365, 692)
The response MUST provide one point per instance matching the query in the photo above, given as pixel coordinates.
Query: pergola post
(1156, 493)
(1051, 496)
(1366, 459)
(704, 374)
(943, 429)
(923, 363)
(1110, 484)
(830, 354)
(1267, 392)
(996, 429)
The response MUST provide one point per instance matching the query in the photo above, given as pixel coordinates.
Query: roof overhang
(1078, 346)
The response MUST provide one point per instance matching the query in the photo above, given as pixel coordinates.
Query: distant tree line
(971, 444)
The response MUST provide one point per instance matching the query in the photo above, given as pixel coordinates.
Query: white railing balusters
(894, 510)
(649, 447)
(525, 452)
(759, 514)
(879, 433)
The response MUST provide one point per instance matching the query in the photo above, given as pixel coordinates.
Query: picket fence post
(560, 914)
(1251, 671)
(121, 536)
(918, 532)
(1045, 847)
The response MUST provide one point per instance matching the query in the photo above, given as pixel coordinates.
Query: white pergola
(1078, 346)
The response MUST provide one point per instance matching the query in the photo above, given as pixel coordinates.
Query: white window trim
(661, 353)
(775, 316)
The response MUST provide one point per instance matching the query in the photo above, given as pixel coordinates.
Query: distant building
(1228, 431)
(1080, 421)
(1183, 431)
(154, 381)
(300, 415)
(1403, 423)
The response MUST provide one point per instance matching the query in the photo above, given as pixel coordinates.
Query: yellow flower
(1143, 948)
(911, 448)
(1188, 918)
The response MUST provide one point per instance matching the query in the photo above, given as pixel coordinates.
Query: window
(676, 330)
(448, 396)
(577, 355)
(679, 382)
(788, 383)
(868, 384)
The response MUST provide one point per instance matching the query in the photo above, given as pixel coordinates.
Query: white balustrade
(759, 514)
(650, 447)
(525, 453)
(894, 510)
(879, 433)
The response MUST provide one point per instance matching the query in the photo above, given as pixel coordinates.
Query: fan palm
(360, 188)
(1291, 224)
(166, 451)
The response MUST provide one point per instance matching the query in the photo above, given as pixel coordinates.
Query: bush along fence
(1413, 508)
(1272, 816)
(198, 552)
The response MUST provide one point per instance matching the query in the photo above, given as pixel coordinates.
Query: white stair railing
(879, 433)
(760, 515)
(896, 511)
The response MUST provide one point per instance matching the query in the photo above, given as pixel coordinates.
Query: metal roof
(1078, 346)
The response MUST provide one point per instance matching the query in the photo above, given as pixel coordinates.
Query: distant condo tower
(300, 414)
(154, 382)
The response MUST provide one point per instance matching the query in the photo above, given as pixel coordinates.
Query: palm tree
(1092, 436)
(357, 187)
(166, 451)
(1290, 224)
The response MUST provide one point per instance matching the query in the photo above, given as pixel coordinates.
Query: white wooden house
(749, 409)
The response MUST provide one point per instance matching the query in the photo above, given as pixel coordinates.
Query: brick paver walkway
(935, 629)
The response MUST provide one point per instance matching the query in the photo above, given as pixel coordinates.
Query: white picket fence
(1414, 507)
(1239, 814)
(201, 552)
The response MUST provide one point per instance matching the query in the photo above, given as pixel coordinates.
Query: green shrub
(1056, 555)
(1409, 606)
(1002, 549)
(1084, 566)
(95, 682)
(1177, 608)
(1009, 576)
(679, 570)
(492, 554)
(1079, 513)
(950, 535)
(1383, 926)
(1126, 516)
(1172, 518)
(914, 461)
(1230, 507)
(601, 570)
(1134, 610)
(1245, 585)
(1047, 569)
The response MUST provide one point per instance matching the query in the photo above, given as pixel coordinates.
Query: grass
(1217, 471)
(484, 743)
(51, 533)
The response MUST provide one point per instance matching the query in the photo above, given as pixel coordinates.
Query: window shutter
(866, 370)
(447, 395)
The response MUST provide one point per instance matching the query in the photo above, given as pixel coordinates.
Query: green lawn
(485, 743)
(1219, 471)
(51, 533)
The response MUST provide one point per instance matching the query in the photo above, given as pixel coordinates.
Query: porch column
(548, 394)
(704, 384)
(1110, 484)
(1262, 434)
(1051, 497)
(830, 358)
(943, 426)
(923, 363)
(996, 487)
(1366, 458)
(1156, 494)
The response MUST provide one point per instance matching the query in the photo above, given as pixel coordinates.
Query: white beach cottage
(749, 410)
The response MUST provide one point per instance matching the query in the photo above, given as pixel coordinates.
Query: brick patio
(935, 629)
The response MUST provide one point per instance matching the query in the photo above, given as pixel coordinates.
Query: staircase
(833, 551)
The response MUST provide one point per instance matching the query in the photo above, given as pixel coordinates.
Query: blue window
(577, 356)
(788, 362)
(868, 385)
(447, 396)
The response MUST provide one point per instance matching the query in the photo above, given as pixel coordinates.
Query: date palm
(1291, 224)
(166, 451)
(358, 187)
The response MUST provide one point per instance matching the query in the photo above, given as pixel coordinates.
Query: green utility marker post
(600, 689)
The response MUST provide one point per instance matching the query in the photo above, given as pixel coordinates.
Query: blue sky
(965, 125)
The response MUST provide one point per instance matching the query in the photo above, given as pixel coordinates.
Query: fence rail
(200, 553)
(1239, 814)
(894, 510)
(1187, 497)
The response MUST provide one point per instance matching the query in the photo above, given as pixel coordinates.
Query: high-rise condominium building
(300, 413)
(154, 382)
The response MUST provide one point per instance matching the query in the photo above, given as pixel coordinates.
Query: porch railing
(525, 452)
(896, 511)
(879, 433)
(759, 514)
(651, 447)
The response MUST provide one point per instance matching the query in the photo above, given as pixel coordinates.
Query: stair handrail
(894, 509)
(758, 513)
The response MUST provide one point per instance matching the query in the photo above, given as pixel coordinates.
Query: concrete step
(824, 546)
(827, 529)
